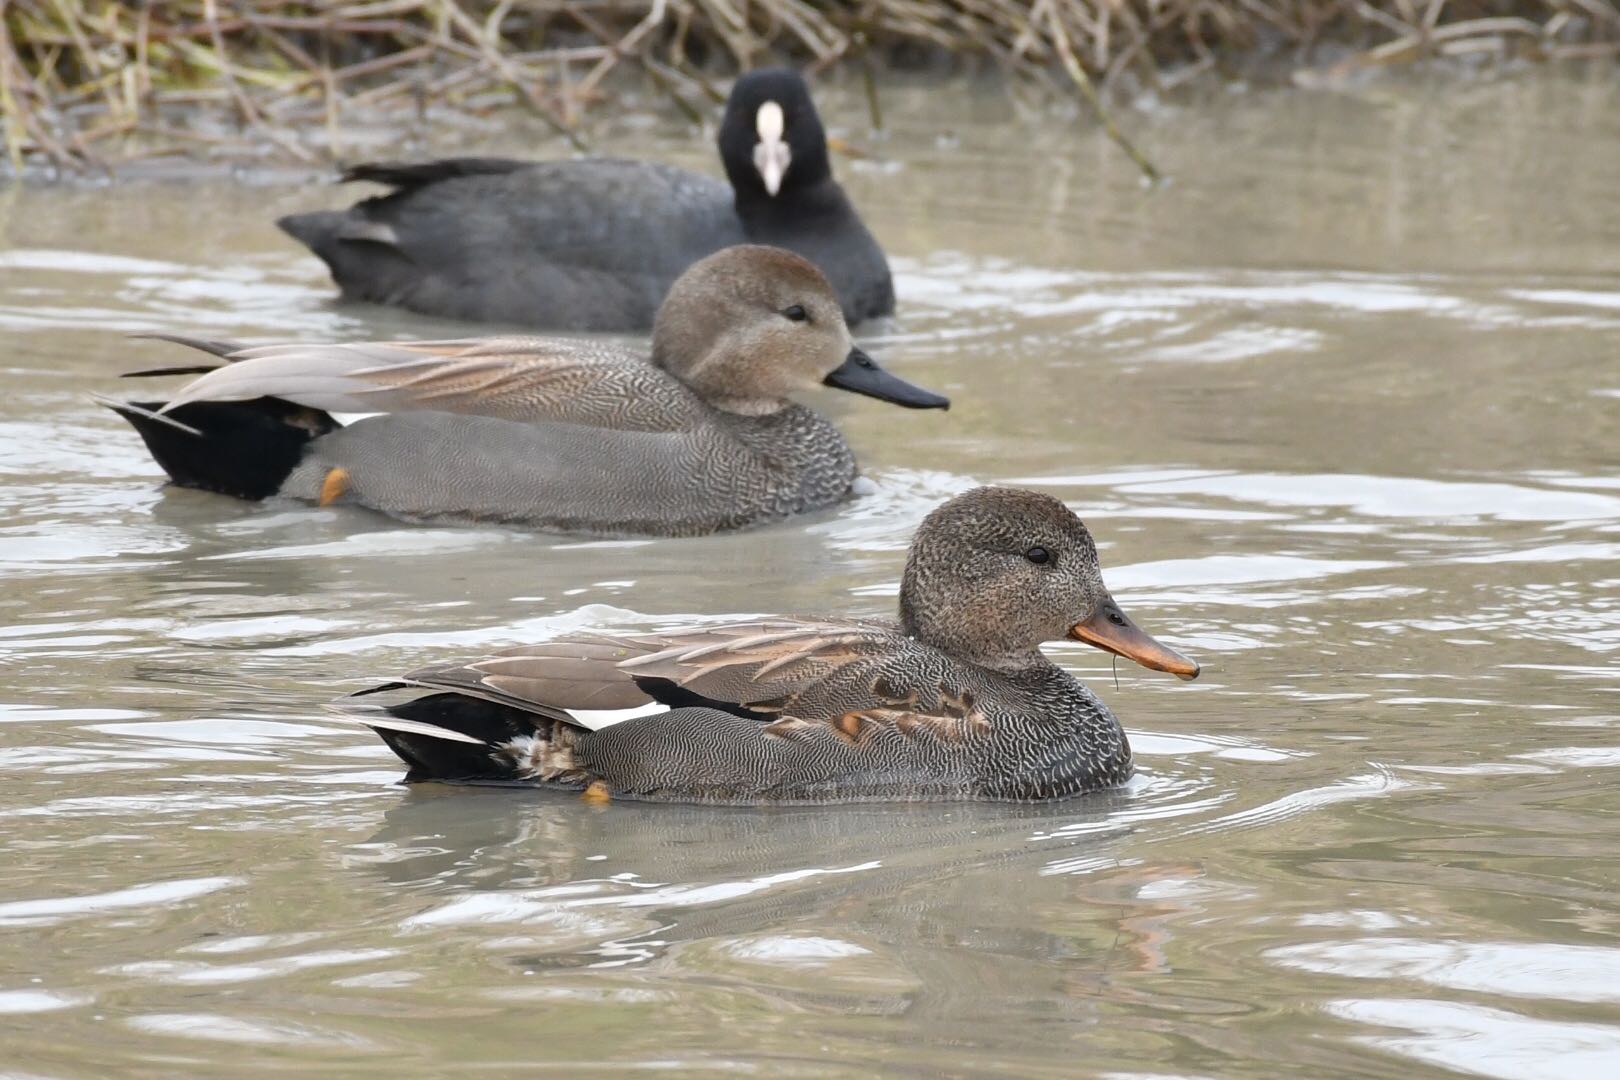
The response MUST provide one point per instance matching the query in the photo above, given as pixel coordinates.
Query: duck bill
(860, 374)
(1111, 630)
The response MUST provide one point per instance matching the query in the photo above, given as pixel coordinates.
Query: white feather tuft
(769, 123)
(372, 716)
(597, 719)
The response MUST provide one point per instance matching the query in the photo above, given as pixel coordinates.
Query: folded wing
(512, 378)
(786, 673)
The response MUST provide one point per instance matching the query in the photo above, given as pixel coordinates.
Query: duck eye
(796, 313)
(1038, 555)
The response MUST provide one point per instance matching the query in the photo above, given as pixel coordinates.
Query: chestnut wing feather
(844, 677)
(775, 666)
(791, 674)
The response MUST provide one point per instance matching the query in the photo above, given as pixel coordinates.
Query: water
(1340, 405)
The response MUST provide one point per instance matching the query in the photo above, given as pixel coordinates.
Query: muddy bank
(86, 86)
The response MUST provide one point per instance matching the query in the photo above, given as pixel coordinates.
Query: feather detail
(514, 378)
(793, 677)
(372, 716)
(597, 719)
(132, 409)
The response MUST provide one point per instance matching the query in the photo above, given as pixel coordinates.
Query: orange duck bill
(1111, 630)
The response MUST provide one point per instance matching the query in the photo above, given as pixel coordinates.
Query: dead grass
(91, 82)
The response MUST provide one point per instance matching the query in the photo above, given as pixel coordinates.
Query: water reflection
(1339, 406)
(1541, 970)
(1487, 1042)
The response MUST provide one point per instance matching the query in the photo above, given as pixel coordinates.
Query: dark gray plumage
(956, 701)
(559, 434)
(595, 244)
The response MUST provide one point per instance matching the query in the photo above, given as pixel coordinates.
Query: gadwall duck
(567, 435)
(595, 244)
(953, 701)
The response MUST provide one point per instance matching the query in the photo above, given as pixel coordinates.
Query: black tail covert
(242, 448)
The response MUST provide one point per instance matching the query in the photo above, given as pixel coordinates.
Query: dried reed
(88, 82)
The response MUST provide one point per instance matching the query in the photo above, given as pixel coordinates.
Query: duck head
(771, 138)
(749, 325)
(996, 571)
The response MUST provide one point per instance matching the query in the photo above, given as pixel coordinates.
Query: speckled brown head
(750, 325)
(996, 571)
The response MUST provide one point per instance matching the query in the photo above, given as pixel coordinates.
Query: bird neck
(792, 206)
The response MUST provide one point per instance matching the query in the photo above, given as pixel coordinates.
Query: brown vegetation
(88, 80)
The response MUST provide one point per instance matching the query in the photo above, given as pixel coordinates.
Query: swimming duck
(594, 244)
(559, 434)
(955, 700)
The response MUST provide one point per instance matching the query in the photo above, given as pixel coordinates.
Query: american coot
(595, 244)
(955, 701)
(560, 434)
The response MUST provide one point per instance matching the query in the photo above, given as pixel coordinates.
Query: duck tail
(241, 448)
(361, 254)
(456, 738)
(316, 229)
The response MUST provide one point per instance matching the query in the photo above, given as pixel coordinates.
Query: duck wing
(794, 676)
(525, 379)
(551, 679)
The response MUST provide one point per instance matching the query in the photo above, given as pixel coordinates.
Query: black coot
(595, 243)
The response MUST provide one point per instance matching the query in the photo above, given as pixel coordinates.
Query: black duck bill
(1111, 630)
(860, 374)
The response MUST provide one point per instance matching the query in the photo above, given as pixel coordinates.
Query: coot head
(771, 139)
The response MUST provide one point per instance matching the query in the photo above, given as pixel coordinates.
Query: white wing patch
(597, 719)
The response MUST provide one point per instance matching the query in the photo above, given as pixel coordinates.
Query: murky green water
(1341, 406)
